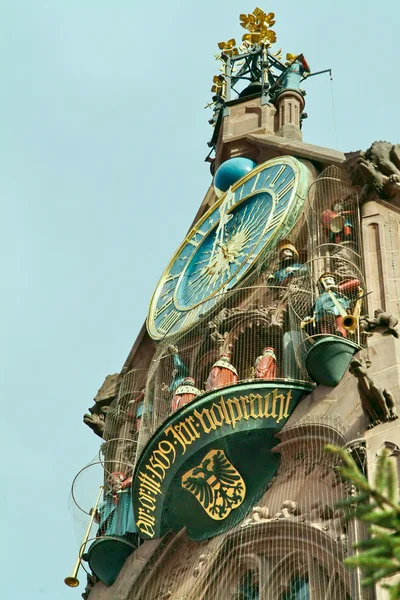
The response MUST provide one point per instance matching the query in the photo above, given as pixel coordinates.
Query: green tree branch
(377, 505)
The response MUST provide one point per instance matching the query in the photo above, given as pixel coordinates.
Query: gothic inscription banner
(195, 453)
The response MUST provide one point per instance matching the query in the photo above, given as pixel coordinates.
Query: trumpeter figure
(289, 264)
(297, 68)
(222, 373)
(265, 365)
(185, 393)
(180, 369)
(115, 514)
(333, 303)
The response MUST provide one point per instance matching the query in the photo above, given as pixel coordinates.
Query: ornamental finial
(258, 24)
(251, 69)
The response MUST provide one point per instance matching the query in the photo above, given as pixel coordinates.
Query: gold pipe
(265, 63)
(72, 580)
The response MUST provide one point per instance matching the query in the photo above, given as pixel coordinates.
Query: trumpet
(72, 580)
(349, 322)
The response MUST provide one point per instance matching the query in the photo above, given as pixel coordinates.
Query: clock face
(220, 250)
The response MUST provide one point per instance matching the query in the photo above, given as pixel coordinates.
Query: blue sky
(103, 136)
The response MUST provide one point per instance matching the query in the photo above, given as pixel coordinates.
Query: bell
(255, 87)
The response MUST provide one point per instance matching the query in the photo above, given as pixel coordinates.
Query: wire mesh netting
(291, 546)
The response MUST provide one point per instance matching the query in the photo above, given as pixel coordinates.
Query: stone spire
(255, 92)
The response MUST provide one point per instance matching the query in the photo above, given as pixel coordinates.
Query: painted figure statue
(115, 514)
(136, 409)
(334, 303)
(223, 373)
(289, 264)
(265, 365)
(290, 79)
(185, 393)
(337, 224)
(180, 369)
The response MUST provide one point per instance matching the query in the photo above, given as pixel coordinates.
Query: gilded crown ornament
(258, 25)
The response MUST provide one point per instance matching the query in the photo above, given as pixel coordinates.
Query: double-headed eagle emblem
(216, 484)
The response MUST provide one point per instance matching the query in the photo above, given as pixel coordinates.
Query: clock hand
(223, 220)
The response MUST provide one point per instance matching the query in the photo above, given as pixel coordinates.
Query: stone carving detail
(95, 418)
(318, 465)
(259, 514)
(378, 405)
(376, 171)
(91, 580)
(383, 323)
(169, 580)
(320, 516)
(234, 321)
(203, 560)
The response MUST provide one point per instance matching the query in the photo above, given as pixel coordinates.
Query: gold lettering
(143, 493)
(267, 414)
(256, 414)
(226, 416)
(149, 483)
(214, 416)
(182, 428)
(145, 528)
(288, 399)
(144, 516)
(175, 433)
(147, 502)
(275, 398)
(201, 419)
(162, 457)
(170, 448)
(154, 466)
(190, 421)
(232, 405)
(244, 400)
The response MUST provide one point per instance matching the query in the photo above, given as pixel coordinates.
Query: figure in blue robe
(333, 303)
(288, 265)
(290, 79)
(115, 514)
(180, 370)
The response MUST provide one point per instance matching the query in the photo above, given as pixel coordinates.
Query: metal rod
(72, 580)
(318, 73)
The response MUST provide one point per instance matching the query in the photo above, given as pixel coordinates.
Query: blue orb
(231, 171)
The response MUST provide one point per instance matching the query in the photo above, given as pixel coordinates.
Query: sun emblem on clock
(221, 249)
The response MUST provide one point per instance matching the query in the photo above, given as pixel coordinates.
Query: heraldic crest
(216, 484)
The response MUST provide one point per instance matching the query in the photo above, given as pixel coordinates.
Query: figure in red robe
(265, 365)
(223, 373)
(184, 393)
(337, 224)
